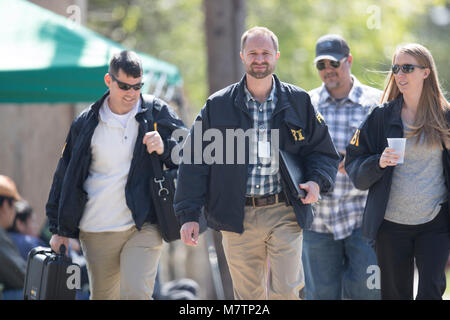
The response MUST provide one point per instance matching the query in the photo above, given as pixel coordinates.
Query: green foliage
(372, 29)
(173, 30)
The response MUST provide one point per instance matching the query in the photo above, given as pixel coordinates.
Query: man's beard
(261, 74)
(331, 84)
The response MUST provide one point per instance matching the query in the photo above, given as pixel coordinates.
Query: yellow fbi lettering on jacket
(319, 117)
(355, 139)
(297, 134)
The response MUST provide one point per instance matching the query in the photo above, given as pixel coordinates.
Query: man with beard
(335, 255)
(248, 202)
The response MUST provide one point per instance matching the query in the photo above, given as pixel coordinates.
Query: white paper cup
(398, 144)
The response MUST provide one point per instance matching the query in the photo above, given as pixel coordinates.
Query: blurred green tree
(173, 30)
(372, 29)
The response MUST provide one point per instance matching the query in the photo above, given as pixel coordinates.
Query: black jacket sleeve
(193, 175)
(363, 155)
(321, 160)
(55, 190)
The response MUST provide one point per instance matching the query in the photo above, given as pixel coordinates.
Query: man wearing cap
(336, 257)
(12, 265)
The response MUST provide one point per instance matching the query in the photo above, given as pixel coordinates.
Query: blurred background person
(25, 230)
(335, 254)
(12, 265)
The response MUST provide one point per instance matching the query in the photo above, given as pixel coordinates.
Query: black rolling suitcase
(50, 275)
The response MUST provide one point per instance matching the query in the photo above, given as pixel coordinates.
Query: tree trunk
(224, 26)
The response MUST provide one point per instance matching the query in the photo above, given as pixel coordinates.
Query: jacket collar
(395, 117)
(281, 93)
(98, 104)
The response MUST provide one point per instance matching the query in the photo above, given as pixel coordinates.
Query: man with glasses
(12, 265)
(336, 257)
(100, 192)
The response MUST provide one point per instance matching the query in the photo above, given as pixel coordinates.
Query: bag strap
(156, 164)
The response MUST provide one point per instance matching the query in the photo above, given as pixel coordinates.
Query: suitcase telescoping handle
(62, 250)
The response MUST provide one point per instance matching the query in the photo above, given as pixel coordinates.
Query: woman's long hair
(430, 117)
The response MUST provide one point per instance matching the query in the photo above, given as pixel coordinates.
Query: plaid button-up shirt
(341, 211)
(263, 177)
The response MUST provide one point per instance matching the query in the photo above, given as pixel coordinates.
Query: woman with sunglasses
(407, 212)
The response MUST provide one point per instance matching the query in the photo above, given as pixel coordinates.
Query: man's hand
(312, 192)
(153, 142)
(189, 233)
(56, 241)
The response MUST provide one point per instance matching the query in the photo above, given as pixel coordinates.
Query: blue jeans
(14, 294)
(338, 269)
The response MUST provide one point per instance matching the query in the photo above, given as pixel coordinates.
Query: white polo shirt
(112, 147)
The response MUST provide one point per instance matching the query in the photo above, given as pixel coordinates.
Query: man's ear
(350, 59)
(108, 80)
(20, 225)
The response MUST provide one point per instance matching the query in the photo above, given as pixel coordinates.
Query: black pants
(396, 247)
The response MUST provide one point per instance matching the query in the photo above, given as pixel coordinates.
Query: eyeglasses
(406, 68)
(320, 65)
(126, 86)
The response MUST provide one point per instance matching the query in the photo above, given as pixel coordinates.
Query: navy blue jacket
(221, 188)
(363, 158)
(67, 198)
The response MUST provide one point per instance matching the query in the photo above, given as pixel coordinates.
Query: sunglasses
(320, 65)
(126, 86)
(406, 68)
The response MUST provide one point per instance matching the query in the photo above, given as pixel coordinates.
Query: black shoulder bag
(162, 192)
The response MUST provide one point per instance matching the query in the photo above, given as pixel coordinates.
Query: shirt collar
(107, 116)
(324, 95)
(356, 92)
(271, 97)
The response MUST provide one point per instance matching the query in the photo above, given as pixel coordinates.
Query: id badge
(264, 149)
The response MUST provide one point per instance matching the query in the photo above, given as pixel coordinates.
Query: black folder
(291, 168)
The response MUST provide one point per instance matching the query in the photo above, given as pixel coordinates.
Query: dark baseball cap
(331, 47)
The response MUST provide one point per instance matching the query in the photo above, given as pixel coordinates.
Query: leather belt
(264, 201)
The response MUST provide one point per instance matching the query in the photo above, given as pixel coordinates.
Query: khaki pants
(271, 234)
(122, 265)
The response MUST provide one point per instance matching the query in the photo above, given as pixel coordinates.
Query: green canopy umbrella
(48, 58)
